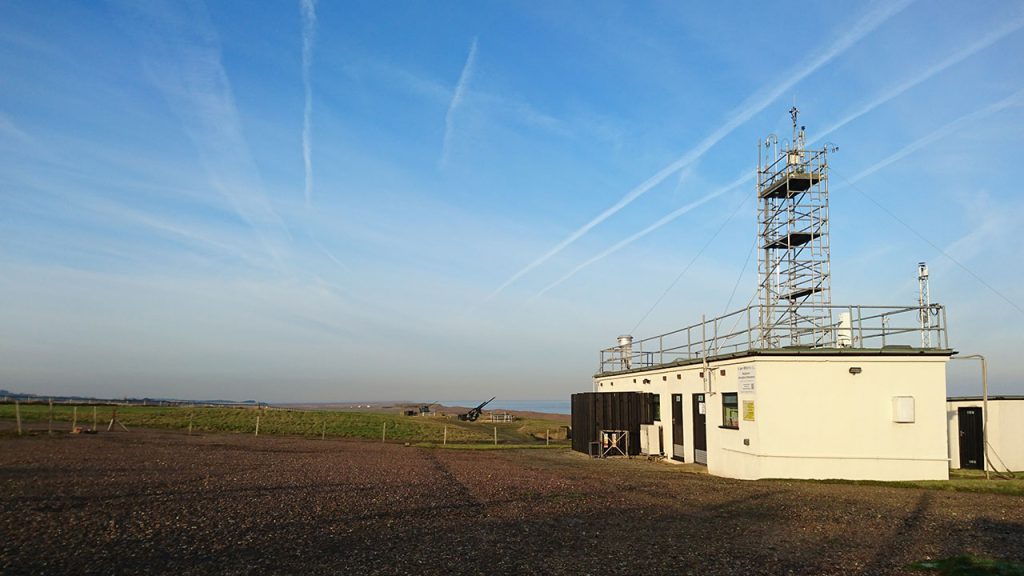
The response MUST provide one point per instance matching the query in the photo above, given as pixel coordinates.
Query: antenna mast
(924, 303)
(793, 248)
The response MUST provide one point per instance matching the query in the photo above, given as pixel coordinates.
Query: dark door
(700, 430)
(972, 451)
(677, 427)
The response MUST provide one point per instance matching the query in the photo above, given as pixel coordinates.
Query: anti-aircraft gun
(473, 414)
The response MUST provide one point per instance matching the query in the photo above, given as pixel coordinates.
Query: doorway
(700, 430)
(972, 448)
(677, 427)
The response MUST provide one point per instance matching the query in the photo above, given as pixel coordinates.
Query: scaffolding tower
(793, 247)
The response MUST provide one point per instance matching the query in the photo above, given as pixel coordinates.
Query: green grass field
(311, 423)
(975, 481)
(959, 481)
(969, 566)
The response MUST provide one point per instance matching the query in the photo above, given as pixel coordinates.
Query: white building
(1005, 433)
(792, 387)
(800, 412)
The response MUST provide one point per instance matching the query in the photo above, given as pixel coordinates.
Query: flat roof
(979, 398)
(791, 351)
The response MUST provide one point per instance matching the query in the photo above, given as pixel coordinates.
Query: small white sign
(700, 408)
(747, 378)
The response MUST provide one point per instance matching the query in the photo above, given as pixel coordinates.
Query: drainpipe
(704, 354)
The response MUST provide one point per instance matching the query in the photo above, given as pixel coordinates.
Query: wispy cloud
(397, 77)
(330, 255)
(207, 241)
(984, 42)
(982, 236)
(457, 98)
(942, 132)
(89, 219)
(308, 8)
(739, 116)
(499, 106)
(671, 216)
(181, 55)
(8, 128)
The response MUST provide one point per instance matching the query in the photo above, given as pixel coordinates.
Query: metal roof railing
(854, 327)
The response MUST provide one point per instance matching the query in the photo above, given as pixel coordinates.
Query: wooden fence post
(547, 436)
(49, 423)
(323, 430)
(257, 424)
(191, 415)
(445, 435)
(17, 415)
(384, 435)
(93, 418)
(495, 435)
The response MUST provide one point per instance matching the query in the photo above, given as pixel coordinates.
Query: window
(730, 410)
(650, 408)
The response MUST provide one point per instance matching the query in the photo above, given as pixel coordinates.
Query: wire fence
(55, 418)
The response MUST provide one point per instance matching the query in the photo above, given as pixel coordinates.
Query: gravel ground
(162, 502)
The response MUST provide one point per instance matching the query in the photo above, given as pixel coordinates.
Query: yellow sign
(748, 410)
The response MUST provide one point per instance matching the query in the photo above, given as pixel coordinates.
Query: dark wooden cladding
(646, 408)
(596, 411)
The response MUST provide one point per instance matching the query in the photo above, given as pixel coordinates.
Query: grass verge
(309, 423)
(970, 566)
(484, 446)
(959, 481)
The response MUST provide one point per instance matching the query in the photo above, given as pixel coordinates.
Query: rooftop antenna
(794, 113)
(794, 275)
(924, 304)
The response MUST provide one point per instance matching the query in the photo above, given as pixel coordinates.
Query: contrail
(746, 177)
(902, 153)
(980, 44)
(746, 110)
(308, 8)
(184, 61)
(457, 96)
(942, 132)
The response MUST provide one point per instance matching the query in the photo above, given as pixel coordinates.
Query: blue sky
(364, 200)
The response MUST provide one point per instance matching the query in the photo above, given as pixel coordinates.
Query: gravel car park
(157, 502)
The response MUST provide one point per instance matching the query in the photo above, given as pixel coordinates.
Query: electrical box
(650, 439)
(903, 409)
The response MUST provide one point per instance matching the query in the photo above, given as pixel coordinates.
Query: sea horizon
(545, 406)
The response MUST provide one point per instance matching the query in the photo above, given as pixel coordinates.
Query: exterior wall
(812, 417)
(1005, 433)
(664, 383)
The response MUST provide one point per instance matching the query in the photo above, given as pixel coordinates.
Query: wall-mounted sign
(700, 408)
(748, 410)
(747, 378)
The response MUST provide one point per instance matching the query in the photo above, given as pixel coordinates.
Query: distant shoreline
(551, 407)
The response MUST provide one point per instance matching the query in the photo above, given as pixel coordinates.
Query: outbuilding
(966, 420)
